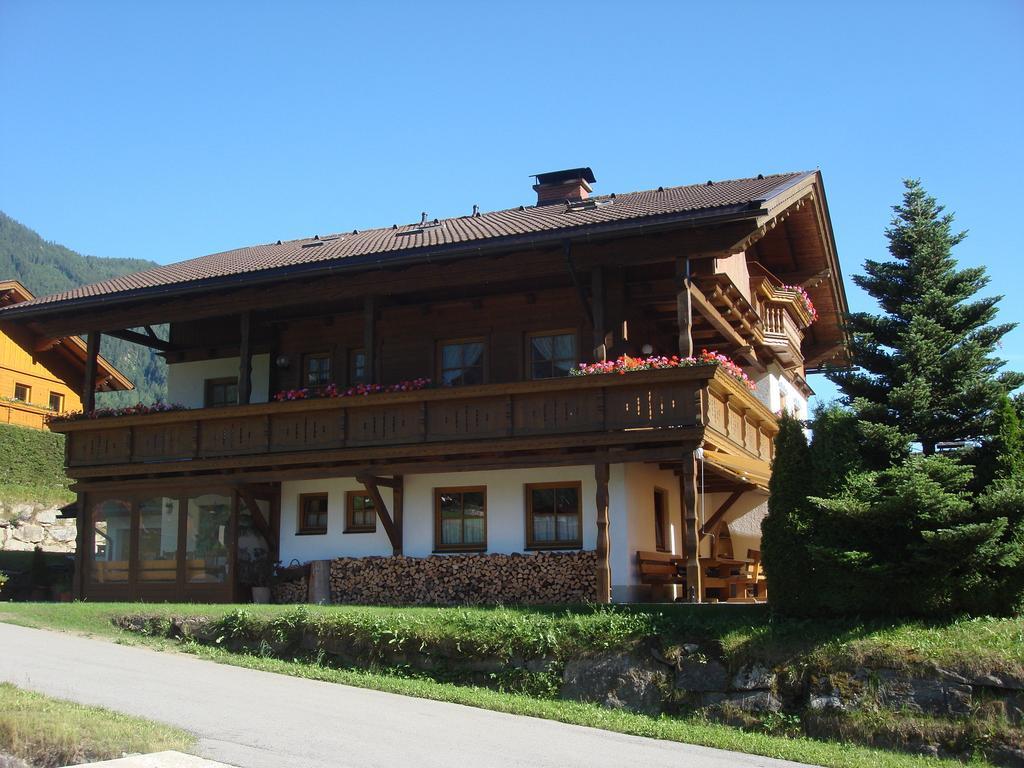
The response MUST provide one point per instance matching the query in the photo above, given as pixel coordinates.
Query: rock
(689, 648)
(754, 701)
(951, 676)
(754, 677)
(31, 533)
(927, 696)
(63, 533)
(15, 545)
(824, 701)
(617, 681)
(10, 761)
(999, 680)
(1004, 754)
(23, 511)
(46, 516)
(700, 675)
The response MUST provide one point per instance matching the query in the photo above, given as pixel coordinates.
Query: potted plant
(262, 580)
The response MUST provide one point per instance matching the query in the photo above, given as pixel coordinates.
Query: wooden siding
(43, 373)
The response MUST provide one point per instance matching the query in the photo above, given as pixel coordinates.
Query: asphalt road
(263, 720)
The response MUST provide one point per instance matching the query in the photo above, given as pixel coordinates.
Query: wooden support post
(245, 359)
(684, 310)
(83, 522)
(392, 525)
(92, 351)
(398, 510)
(319, 588)
(604, 575)
(598, 310)
(691, 534)
(370, 339)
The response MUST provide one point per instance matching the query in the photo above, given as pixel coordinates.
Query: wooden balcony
(652, 409)
(781, 333)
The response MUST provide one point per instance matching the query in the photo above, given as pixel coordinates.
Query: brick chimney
(572, 185)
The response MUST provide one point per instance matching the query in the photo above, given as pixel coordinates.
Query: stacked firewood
(540, 578)
(291, 591)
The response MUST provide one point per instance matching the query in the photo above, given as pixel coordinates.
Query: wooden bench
(660, 569)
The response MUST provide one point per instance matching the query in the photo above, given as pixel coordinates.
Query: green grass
(49, 732)
(741, 633)
(15, 493)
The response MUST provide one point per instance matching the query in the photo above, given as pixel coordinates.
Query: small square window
(553, 515)
(56, 402)
(221, 392)
(316, 370)
(22, 392)
(313, 513)
(360, 513)
(460, 519)
(552, 354)
(461, 362)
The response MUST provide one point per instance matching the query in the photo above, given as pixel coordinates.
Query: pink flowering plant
(139, 409)
(626, 364)
(805, 298)
(333, 390)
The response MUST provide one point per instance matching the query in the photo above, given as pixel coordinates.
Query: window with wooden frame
(551, 354)
(218, 392)
(553, 515)
(360, 513)
(462, 362)
(357, 367)
(661, 535)
(23, 392)
(316, 370)
(312, 513)
(56, 402)
(460, 519)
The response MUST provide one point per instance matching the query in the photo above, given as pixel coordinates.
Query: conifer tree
(925, 368)
(1001, 456)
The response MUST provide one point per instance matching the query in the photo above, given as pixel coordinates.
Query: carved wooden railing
(611, 405)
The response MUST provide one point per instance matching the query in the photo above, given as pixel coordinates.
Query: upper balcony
(648, 415)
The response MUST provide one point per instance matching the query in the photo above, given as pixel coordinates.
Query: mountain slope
(44, 267)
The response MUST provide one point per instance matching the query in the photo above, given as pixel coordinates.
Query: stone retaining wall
(26, 525)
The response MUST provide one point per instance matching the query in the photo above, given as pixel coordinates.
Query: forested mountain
(44, 267)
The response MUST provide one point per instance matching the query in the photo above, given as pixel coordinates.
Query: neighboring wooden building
(41, 376)
(661, 474)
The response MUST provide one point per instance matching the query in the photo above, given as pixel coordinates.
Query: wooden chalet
(662, 473)
(41, 376)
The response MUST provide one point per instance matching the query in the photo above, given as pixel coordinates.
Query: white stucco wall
(772, 385)
(506, 512)
(186, 381)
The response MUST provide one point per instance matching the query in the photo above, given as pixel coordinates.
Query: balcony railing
(649, 406)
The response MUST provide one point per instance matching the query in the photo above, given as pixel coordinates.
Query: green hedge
(31, 457)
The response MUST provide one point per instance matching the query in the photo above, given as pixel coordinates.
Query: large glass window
(552, 355)
(460, 518)
(462, 362)
(553, 515)
(357, 368)
(158, 539)
(207, 538)
(112, 541)
(661, 535)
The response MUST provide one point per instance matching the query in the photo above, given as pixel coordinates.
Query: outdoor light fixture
(647, 349)
(282, 361)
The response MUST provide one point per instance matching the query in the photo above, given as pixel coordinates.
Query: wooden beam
(393, 531)
(92, 351)
(713, 521)
(684, 308)
(261, 523)
(604, 577)
(245, 358)
(153, 341)
(599, 313)
(45, 344)
(691, 539)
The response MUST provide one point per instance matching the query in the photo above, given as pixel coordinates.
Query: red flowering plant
(805, 298)
(139, 409)
(626, 364)
(333, 390)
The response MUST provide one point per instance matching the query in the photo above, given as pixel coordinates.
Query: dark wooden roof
(371, 247)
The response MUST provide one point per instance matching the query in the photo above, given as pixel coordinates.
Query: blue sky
(171, 130)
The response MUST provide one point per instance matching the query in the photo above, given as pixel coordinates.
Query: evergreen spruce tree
(925, 369)
(1001, 456)
(785, 531)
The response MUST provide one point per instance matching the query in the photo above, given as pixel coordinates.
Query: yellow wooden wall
(43, 373)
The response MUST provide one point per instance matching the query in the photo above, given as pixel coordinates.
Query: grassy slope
(742, 633)
(49, 732)
(32, 466)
